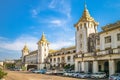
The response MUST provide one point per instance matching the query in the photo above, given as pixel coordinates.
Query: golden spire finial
(85, 5)
(43, 39)
(25, 48)
(86, 17)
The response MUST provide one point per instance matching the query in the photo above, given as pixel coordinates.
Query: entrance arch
(118, 67)
(106, 67)
(90, 68)
(31, 66)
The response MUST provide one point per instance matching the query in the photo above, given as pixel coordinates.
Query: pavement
(21, 75)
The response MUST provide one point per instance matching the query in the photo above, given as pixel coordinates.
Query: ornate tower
(85, 26)
(43, 50)
(25, 51)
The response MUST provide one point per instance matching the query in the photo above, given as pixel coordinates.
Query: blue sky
(24, 21)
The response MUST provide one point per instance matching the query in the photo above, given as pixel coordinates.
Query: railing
(99, 53)
(110, 51)
(88, 54)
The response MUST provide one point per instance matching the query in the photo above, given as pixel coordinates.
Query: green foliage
(72, 67)
(69, 67)
(9, 65)
(2, 74)
(24, 68)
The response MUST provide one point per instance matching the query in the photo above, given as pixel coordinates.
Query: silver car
(115, 76)
(98, 75)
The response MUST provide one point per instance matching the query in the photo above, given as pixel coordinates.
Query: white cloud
(34, 13)
(56, 22)
(62, 43)
(19, 43)
(62, 6)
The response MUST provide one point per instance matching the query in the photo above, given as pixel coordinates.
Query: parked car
(36, 71)
(31, 69)
(84, 75)
(115, 76)
(98, 75)
(42, 71)
(49, 72)
(69, 73)
(76, 74)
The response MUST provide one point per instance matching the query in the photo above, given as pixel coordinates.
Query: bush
(2, 74)
(24, 68)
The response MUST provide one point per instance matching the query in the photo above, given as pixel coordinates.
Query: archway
(90, 64)
(118, 67)
(31, 66)
(106, 67)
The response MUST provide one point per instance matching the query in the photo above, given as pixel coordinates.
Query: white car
(84, 75)
(98, 75)
(48, 72)
(66, 74)
(115, 76)
(76, 74)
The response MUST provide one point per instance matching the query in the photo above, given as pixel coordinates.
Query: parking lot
(21, 75)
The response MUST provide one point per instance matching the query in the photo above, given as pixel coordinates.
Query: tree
(2, 73)
(67, 66)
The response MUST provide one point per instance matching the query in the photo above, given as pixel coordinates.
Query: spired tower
(25, 51)
(43, 50)
(85, 26)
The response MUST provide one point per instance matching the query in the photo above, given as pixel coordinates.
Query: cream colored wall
(65, 56)
(114, 43)
(31, 58)
(85, 31)
(1, 63)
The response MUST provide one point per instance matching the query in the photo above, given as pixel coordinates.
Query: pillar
(86, 66)
(79, 66)
(95, 66)
(111, 67)
(83, 66)
(76, 66)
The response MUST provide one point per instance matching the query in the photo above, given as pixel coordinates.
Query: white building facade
(97, 51)
(94, 51)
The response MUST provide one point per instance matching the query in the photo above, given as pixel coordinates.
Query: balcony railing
(110, 51)
(99, 53)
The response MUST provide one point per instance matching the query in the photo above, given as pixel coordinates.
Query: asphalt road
(17, 75)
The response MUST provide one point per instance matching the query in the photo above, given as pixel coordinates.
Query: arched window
(69, 58)
(80, 26)
(85, 25)
(77, 28)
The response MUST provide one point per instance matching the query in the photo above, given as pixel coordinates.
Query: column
(95, 66)
(111, 67)
(76, 66)
(79, 66)
(83, 66)
(86, 66)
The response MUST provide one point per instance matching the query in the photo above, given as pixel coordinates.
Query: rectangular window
(118, 36)
(108, 39)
